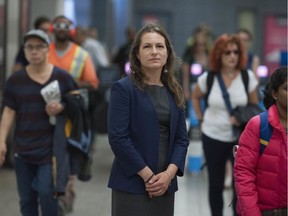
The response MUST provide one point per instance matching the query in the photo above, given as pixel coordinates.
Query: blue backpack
(265, 131)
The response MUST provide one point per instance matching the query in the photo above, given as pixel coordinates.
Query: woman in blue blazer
(147, 130)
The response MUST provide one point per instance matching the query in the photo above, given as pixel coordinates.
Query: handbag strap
(224, 93)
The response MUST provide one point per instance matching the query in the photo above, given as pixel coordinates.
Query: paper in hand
(51, 92)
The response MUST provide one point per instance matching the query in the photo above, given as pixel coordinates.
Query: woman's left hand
(158, 185)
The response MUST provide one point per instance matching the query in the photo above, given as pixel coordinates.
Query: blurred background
(265, 19)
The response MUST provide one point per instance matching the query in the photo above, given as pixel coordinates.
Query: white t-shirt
(216, 120)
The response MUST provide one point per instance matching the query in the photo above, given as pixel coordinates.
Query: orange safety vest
(76, 61)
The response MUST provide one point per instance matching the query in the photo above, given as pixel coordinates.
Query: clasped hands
(158, 184)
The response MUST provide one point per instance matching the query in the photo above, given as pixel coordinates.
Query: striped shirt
(33, 133)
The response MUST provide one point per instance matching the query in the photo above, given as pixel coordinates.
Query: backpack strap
(225, 94)
(245, 79)
(265, 131)
(210, 79)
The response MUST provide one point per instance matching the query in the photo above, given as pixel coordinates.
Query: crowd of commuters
(150, 149)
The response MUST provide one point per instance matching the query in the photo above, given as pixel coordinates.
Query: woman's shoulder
(253, 126)
(125, 83)
(250, 135)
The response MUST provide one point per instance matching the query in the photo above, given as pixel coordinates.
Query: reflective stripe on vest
(78, 63)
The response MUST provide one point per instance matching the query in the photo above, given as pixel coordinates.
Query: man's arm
(8, 117)
(89, 75)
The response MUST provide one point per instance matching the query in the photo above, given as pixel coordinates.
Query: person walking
(261, 178)
(33, 138)
(253, 60)
(147, 130)
(71, 57)
(121, 57)
(93, 46)
(227, 59)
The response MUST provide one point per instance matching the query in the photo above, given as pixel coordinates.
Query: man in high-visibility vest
(69, 56)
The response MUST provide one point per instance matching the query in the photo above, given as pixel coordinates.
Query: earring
(275, 98)
(165, 70)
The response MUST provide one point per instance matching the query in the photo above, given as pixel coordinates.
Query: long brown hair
(219, 48)
(168, 79)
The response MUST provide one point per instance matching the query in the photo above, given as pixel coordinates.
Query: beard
(60, 37)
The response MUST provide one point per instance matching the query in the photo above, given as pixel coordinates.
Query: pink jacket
(261, 182)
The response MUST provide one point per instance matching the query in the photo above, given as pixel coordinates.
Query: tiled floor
(93, 197)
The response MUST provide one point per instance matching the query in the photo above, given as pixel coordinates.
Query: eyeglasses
(229, 52)
(62, 26)
(39, 47)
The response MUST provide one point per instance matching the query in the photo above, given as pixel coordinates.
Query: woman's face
(281, 95)
(230, 56)
(152, 52)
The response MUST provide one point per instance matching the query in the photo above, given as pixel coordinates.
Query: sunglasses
(62, 26)
(229, 52)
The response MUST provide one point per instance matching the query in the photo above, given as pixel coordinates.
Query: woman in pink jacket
(261, 179)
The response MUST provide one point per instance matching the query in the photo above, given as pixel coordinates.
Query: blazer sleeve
(246, 160)
(119, 111)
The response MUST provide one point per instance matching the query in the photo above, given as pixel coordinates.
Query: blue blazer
(133, 132)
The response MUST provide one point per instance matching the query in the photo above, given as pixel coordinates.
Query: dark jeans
(35, 186)
(216, 154)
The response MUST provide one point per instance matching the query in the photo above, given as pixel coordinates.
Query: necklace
(230, 75)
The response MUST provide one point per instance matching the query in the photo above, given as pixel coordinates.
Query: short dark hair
(40, 20)
(62, 17)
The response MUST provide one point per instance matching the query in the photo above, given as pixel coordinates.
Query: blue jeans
(35, 186)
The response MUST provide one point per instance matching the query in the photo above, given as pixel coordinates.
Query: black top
(159, 98)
